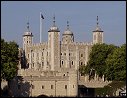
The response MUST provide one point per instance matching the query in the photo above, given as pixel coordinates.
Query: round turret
(67, 36)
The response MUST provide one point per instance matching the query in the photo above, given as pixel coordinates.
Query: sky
(80, 14)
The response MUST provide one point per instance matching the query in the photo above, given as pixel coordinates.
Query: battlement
(83, 43)
(39, 44)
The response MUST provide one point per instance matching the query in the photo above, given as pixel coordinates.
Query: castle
(51, 68)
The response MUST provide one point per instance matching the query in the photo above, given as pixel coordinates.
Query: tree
(116, 64)
(9, 59)
(98, 56)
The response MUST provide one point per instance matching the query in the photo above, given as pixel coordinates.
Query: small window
(62, 62)
(69, 54)
(81, 63)
(65, 86)
(73, 86)
(61, 53)
(72, 62)
(51, 86)
(28, 55)
(81, 55)
(27, 41)
(42, 86)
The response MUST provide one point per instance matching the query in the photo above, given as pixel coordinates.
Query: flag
(42, 16)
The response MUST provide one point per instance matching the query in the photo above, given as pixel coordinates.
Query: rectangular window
(81, 63)
(51, 86)
(65, 86)
(42, 86)
(72, 62)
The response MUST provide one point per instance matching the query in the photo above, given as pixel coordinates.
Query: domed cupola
(54, 28)
(67, 36)
(67, 31)
(28, 32)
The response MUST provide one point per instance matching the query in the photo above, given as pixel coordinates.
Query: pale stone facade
(51, 68)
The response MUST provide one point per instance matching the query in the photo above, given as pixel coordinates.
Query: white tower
(27, 38)
(54, 46)
(97, 34)
(67, 36)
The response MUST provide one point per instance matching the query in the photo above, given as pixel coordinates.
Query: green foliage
(116, 64)
(108, 60)
(9, 59)
(97, 57)
(110, 88)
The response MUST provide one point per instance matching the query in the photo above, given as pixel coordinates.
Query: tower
(27, 38)
(67, 36)
(97, 34)
(54, 46)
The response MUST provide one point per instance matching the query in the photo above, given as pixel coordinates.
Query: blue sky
(80, 14)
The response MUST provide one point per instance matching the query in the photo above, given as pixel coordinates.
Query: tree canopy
(108, 60)
(9, 59)
(116, 64)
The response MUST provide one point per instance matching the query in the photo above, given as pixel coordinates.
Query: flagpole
(40, 27)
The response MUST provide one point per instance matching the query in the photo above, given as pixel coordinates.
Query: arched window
(62, 62)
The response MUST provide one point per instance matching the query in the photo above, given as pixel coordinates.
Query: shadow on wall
(23, 87)
(83, 91)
